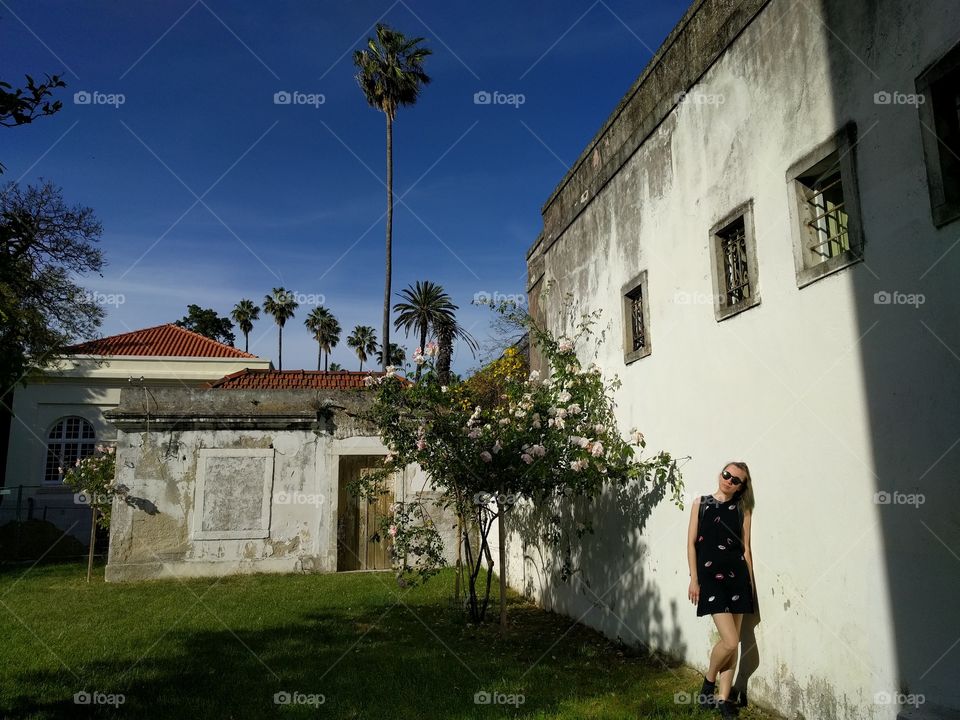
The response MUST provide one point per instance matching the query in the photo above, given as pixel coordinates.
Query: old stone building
(768, 220)
(250, 474)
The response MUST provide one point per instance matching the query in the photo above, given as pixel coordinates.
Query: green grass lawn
(223, 649)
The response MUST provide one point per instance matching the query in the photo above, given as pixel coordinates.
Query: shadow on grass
(402, 658)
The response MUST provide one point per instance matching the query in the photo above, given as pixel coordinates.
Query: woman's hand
(694, 591)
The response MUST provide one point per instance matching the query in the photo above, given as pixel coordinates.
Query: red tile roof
(167, 340)
(259, 379)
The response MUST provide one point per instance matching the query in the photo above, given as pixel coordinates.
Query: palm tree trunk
(386, 291)
(246, 342)
(280, 354)
(361, 365)
(319, 356)
(326, 361)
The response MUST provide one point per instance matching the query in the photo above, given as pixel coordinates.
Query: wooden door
(376, 543)
(361, 545)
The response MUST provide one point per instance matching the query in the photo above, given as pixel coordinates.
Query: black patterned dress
(721, 568)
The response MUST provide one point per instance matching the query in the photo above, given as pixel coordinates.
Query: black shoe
(706, 699)
(728, 709)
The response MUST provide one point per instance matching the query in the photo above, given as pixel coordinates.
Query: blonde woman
(721, 575)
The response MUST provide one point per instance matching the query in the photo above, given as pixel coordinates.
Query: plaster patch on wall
(233, 492)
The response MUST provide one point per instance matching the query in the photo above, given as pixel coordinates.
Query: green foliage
(509, 438)
(414, 535)
(44, 245)
(23, 105)
(93, 479)
(206, 322)
(390, 70)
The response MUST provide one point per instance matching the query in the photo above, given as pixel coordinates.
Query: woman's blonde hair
(745, 492)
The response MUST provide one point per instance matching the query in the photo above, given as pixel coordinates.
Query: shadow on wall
(600, 579)
(909, 354)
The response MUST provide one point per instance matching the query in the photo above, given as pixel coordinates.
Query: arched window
(70, 439)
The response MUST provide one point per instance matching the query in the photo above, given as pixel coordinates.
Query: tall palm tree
(314, 322)
(243, 314)
(398, 356)
(390, 73)
(280, 304)
(329, 336)
(426, 306)
(363, 340)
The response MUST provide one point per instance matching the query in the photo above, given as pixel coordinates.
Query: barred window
(734, 263)
(636, 319)
(71, 439)
(826, 215)
(826, 210)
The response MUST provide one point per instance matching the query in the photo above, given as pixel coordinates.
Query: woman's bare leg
(724, 652)
(725, 683)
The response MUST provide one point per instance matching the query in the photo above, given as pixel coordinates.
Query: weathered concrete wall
(233, 481)
(830, 397)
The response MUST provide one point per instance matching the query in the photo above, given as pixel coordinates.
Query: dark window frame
(628, 293)
(944, 192)
(838, 151)
(85, 445)
(722, 308)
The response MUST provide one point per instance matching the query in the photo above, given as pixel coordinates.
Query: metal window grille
(827, 223)
(70, 439)
(733, 249)
(637, 329)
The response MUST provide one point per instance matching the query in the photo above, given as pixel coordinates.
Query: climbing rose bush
(505, 436)
(93, 478)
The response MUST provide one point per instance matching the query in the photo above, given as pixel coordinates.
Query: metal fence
(48, 523)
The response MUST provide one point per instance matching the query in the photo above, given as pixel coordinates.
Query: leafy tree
(206, 322)
(244, 314)
(335, 367)
(44, 246)
(92, 478)
(23, 105)
(280, 305)
(425, 307)
(509, 441)
(390, 73)
(363, 340)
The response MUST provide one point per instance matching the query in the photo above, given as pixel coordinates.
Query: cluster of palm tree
(390, 74)
(426, 311)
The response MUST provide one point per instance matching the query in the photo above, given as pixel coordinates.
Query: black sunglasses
(732, 478)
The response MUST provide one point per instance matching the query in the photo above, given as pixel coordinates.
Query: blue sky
(209, 191)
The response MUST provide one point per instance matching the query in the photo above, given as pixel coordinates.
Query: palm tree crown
(390, 70)
(426, 308)
(280, 304)
(363, 340)
(325, 330)
(243, 314)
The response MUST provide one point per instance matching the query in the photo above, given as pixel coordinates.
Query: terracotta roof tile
(167, 340)
(260, 379)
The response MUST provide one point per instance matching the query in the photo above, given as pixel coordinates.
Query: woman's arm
(694, 591)
(747, 517)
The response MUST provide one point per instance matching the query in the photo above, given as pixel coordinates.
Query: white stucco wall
(826, 395)
(85, 386)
